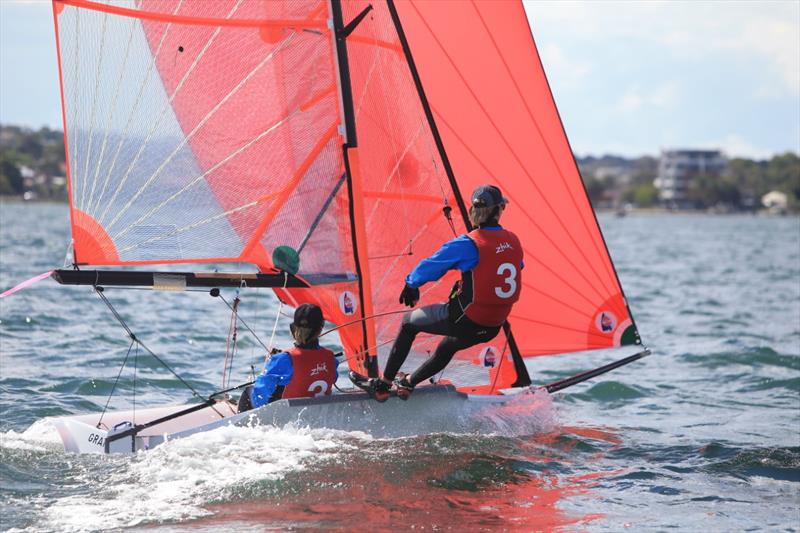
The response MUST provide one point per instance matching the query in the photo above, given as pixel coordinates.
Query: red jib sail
(216, 131)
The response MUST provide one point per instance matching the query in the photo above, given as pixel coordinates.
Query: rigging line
(197, 180)
(131, 116)
(99, 291)
(497, 373)
(539, 130)
(508, 145)
(242, 320)
(114, 386)
(360, 320)
(404, 254)
(109, 121)
(391, 267)
(528, 216)
(321, 213)
(277, 319)
(135, 368)
(164, 113)
(367, 351)
(255, 320)
(199, 126)
(230, 347)
(93, 110)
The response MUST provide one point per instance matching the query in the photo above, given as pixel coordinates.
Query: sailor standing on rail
(490, 261)
(304, 371)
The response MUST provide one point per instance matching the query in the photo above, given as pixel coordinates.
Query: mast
(523, 379)
(354, 190)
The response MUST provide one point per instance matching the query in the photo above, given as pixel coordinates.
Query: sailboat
(328, 143)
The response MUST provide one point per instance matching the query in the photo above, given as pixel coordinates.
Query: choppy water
(703, 435)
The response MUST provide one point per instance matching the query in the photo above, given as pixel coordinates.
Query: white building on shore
(678, 168)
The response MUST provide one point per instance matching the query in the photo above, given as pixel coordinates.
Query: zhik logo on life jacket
(502, 247)
(320, 368)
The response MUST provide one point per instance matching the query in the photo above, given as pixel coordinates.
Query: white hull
(431, 409)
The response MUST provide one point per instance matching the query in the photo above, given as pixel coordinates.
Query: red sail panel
(201, 131)
(405, 190)
(499, 124)
(207, 131)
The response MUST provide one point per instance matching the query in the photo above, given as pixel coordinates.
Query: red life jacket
(489, 290)
(314, 373)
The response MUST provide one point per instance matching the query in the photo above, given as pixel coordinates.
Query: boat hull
(431, 409)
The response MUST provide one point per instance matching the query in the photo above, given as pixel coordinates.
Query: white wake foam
(176, 480)
(525, 413)
(39, 437)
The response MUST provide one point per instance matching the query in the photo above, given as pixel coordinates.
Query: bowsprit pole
(580, 378)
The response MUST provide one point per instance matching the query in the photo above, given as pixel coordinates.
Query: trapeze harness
(488, 292)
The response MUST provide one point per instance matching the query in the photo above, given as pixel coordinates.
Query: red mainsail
(215, 131)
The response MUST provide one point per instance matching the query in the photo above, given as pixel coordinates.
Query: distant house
(678, 168)
(775, 201)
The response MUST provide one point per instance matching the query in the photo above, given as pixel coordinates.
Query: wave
(780, 463)
(608, 391)
(754, 357)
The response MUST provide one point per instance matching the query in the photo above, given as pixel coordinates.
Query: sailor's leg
(430, 319)
(447, 349)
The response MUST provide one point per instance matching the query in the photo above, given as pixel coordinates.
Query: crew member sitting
(302, 372)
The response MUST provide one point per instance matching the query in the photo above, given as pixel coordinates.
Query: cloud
(735, 146)
(665, 96)
(764, 33)
(569, 72)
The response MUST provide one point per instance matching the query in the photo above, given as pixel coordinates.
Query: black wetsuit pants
(434, 319)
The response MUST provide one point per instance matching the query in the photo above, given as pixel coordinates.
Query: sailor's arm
(277, 373)
(459, 253)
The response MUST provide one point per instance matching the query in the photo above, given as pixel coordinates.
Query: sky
(629, 77)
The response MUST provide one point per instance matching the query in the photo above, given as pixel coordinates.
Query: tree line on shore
(32, 162)
(613, 181)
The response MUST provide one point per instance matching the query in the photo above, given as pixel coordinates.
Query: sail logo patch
(348, 303)
(489, 356)
(606, 321)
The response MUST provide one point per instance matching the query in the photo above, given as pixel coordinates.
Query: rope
(99, 291)
(361, 319)
(135, 368)
(230, 346)
(113, 387)
(277, 319)
(243, 322)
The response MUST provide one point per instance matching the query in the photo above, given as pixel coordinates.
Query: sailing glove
(409, 296)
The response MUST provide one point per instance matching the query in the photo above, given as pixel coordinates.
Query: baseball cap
(308, 316)
(488, 196)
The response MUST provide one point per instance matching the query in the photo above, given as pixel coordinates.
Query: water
(702, 435)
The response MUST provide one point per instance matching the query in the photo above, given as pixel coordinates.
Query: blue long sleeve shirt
(459, 253)
(277, 371)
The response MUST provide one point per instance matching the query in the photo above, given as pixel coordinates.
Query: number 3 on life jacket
(489, 290)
